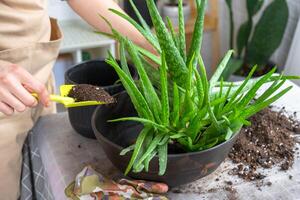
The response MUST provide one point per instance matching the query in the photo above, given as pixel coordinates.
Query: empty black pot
(182, 168)
(94, 72)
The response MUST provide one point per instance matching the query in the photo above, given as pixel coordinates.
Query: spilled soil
(267, 143)
(85, 92)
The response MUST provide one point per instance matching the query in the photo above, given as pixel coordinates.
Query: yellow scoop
(69, 102)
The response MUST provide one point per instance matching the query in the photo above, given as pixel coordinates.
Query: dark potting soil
(267, 143)
(260, 71)
(85, 92)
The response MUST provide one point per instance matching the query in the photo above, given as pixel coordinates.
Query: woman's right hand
(16, 86)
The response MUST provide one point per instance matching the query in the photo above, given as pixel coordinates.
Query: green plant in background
(177, 103)
(255, 45)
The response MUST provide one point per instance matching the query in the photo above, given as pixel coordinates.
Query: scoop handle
(57, 98)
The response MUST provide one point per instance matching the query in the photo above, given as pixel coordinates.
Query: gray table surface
(64, 153)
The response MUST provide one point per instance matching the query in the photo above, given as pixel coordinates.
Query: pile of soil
(267, 143)
(260, 71)
(85, 92)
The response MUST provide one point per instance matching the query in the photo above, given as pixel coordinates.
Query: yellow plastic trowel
(69, 102)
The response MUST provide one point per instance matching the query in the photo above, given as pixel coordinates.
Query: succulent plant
(177, 103)
(256, 47)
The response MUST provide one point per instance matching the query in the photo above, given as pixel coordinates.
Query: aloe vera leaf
(217, 106)
(177, 70)
(163, 157)
(204, 79)
(190, 76)
(252, 81)
(190, 144)
(145, 145)
(178, 135)
(227, 93)
(173, 34)
(200, 90)
(226, 98)
(229, 134)
(274, 87)
(196, 124)
(216, 76)
(257, 107)
(244, 121)
(148, 89)
(198, 3)
(213, 81)
(233, 66)
(143, 51)
(141, 19)
(124, 60)
(213, 117)
(226, 120)
(148, 159)
(181, 38)
(239, 90)
(188, 107)
(176, 105)
(127, 149)
(150, 148)
(210, 133)
(138, 169)
(211, 144)
(198, 33)
(136, 96)
(217, 101)
(141, 120)
(164, 92)
(148, 54)
(148, 35)
(252, 92)
(138, 145)
(109, 35)
(165, 139)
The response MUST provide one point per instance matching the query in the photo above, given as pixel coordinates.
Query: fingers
(4, 108)
(11, 100)
(21, 93)
(16, 86)
(33, 85)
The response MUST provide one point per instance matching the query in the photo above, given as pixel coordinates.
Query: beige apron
(29, 39)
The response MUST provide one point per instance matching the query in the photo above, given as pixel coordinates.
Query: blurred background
(261, 31)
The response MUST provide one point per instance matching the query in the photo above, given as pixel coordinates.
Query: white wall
(240, 16)
(60, 10)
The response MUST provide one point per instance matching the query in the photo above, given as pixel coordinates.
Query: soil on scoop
(85, 92)
(267, 143)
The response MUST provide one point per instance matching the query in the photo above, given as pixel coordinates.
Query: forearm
(90, 10)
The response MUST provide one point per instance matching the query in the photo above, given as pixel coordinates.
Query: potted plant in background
(174, 125)
(170, 9)
(255, 44)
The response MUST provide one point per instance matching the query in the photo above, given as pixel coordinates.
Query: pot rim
(184, 5)
(79, 65)
(120, 148)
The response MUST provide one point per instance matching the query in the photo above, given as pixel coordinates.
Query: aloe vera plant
(177, 103)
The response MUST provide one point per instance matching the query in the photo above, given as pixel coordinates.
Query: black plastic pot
(142, 7)
(94, 72)
(182, 168)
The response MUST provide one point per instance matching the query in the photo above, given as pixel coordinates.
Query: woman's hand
(16, 86)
